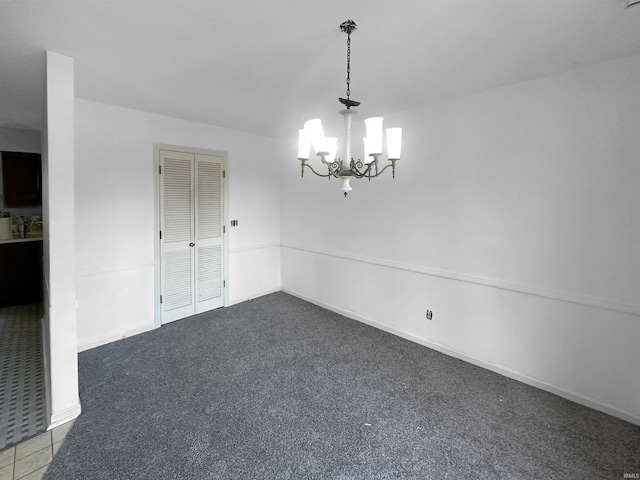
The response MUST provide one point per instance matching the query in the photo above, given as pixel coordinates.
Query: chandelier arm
(330, 174)
(367, 173)
(334, 168)
(376, 164)
(393, 169)
(355, 168)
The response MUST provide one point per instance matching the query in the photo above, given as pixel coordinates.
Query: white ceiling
(266, 66)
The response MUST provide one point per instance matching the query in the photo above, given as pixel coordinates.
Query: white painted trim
(113, 338)
(64, 416)
(534, 382)
(257, 295)
(106, 271)
(225, 222)
(577, 298)
(257, 246)
(156, 241)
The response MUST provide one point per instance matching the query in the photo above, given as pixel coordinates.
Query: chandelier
(325, 147)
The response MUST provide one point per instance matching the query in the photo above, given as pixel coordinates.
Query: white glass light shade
(374, 134)
(367, 152)
(394, 143)
(304, 144)
(316, 134)
(331, 144)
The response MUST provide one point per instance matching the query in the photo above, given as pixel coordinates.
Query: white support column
(59, 329)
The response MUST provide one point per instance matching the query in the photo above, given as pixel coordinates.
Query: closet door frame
(157, 147)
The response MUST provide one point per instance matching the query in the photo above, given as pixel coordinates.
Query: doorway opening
(22, 397)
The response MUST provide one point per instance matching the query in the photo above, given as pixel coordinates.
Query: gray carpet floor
(277, 388)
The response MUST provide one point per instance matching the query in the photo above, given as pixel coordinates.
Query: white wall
(514, 216)
(115, 231)
(59, 328)
(20, 140)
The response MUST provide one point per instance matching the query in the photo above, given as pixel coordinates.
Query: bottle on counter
(6, 227)
(17, 227)
(20, 227)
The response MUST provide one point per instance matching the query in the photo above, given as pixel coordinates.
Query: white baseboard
(130, 333)
(235, 301)
(534, 382)
(110, 339)
(64, 416)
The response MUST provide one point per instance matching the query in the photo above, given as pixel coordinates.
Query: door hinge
(224, 229)
(160, 169)
(160, 234)
(224, 284)
(224, 174)
(160, 298)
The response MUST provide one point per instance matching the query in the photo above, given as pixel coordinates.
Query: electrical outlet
(429, 314)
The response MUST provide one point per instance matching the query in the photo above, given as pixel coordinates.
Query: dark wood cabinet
(20, 273)
(22, 179)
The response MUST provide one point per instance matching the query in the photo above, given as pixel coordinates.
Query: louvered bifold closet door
(178, 230)
(209, 232)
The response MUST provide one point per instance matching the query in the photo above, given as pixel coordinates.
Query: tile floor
(21, 374)
(22, 397)
(30, 459)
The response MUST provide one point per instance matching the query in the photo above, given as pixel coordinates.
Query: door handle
(192, 244)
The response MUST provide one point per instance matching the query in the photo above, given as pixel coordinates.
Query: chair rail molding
(535, 290)
(257, 246)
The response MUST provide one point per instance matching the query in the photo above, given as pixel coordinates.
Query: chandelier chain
(348, 65)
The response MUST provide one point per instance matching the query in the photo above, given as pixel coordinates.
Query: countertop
(20, 240)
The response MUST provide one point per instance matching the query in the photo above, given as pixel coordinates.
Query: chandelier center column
(348, 114)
